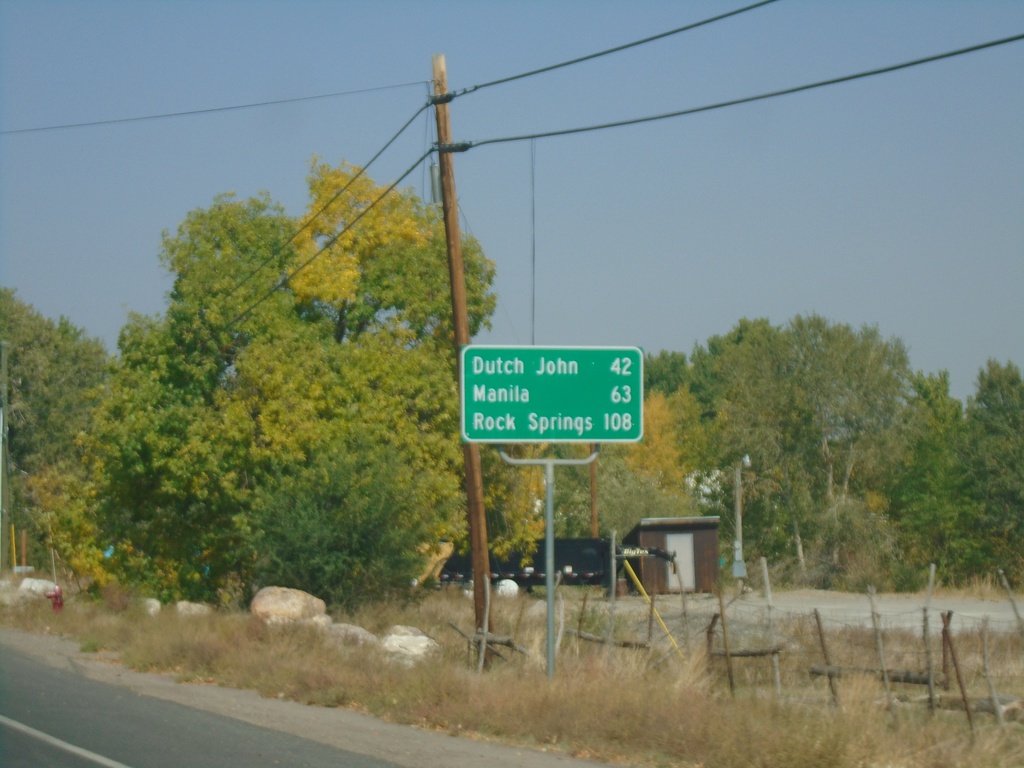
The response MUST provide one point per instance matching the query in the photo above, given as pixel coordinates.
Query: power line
(277, 251)
(464, 91)
(284, 281)
(466, 145)
(616, 49)
(211, 110)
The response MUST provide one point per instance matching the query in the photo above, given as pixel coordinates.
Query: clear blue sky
(895, 201)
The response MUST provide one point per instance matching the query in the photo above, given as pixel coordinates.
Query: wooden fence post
(709, 634)
(650, 620)
(828, 660)
(725, 646)
(959, 677)
(1009, 594)
(776, 679)
(579, 623)
(946, 618)
(996, 708)
(875, 621)
(487, 623)
(927, 641)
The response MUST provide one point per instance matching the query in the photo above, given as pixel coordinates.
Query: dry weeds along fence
(924, 656)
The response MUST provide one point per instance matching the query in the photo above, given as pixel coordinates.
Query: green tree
(666, 372)
(53, 372)
(993, 455)
(820, 409)
(930, 507)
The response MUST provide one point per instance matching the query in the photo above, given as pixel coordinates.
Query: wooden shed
(694, 540)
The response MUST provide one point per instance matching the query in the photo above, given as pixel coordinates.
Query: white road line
(53, 741)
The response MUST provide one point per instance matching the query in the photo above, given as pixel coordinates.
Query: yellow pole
(640, 588)
(14, 550)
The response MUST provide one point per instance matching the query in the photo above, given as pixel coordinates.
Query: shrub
(346, 531)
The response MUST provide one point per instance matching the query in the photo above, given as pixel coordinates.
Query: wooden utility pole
(5, 420)
(474, 480)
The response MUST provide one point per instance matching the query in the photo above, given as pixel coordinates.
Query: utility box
(694, 540)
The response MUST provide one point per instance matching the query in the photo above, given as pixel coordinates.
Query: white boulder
(280, 605)
(37, 586)
(150, 605)
(506, 588)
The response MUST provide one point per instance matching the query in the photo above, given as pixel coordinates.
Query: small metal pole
(549, 560)
(881, 652)
(613, 586)
(549, 533)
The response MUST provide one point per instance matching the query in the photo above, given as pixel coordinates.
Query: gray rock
(350, 634)
(408, 644)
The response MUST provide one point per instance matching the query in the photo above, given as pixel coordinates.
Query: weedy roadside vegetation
(641, 707)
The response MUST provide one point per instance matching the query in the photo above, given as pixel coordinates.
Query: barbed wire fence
(928, 656)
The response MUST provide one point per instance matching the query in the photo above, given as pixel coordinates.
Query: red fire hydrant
(56, 596)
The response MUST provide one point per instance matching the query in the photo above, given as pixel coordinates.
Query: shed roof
(649, 521)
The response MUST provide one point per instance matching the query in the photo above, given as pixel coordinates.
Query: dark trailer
(577, 561)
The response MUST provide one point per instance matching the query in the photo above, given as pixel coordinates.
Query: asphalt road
(52, 716)
(92, 704)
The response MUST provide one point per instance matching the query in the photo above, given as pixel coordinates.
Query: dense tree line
(54, 377)
(861, 470)
(292, 418)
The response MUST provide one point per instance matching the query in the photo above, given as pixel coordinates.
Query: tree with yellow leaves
(308, 360)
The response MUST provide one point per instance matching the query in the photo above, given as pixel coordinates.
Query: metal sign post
(549, 534)
(551, 395)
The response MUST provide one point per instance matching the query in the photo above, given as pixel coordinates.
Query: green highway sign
(551, 394)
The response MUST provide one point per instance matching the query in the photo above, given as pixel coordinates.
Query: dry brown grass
(628, 706)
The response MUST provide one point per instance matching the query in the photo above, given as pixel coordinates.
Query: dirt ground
(894, 610)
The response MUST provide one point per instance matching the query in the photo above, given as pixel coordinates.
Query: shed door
(682, 545)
